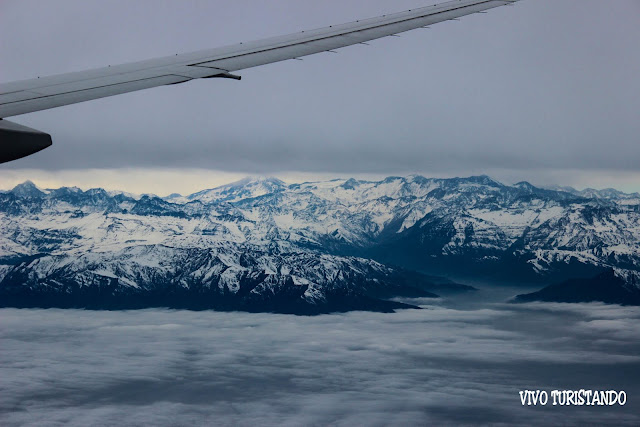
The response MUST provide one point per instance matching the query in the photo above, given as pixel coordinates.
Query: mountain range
(263, 245)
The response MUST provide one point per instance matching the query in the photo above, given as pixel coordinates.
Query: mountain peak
(27, 190)
(418, 178)
(350, 184)
(564, 189)
(255, 180)
(475, 179)
(484, 180)
(525, 186)
(607, 193)
(245, 188)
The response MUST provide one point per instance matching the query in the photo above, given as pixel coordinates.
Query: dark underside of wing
(17, 141)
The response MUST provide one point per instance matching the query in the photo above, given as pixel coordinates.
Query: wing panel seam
(186, 79)
(345, 33)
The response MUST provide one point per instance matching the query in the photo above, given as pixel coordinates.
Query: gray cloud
(543, 86)
(442, 365)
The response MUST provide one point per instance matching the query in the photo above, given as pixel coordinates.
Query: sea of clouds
(440, 365)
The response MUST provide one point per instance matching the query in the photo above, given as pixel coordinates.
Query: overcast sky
(545, 91)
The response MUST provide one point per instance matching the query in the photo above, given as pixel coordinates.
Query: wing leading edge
(32, 95)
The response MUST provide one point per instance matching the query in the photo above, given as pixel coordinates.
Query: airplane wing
(27, 96)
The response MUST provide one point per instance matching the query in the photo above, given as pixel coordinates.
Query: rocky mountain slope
(609, 287)
(261, 244)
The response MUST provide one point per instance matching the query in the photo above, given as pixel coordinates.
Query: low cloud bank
(417, 366)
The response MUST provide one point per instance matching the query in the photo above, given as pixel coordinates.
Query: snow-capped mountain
(246, 188)
(301, 245)
(606, 194)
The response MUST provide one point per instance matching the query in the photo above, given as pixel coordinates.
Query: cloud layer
(441, 365)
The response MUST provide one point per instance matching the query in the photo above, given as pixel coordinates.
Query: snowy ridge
(264, 231)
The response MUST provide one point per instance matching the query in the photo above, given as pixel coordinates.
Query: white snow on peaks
(269, 214)
(247, 188)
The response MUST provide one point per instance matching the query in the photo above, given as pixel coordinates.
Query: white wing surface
(27, 96)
